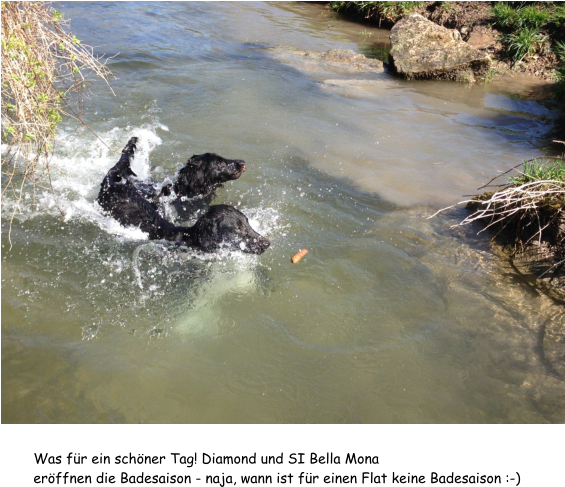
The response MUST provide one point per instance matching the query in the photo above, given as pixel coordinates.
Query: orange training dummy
(296, 257)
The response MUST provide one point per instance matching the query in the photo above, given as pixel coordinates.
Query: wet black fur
(204, 173)
(195, 184)
(222, 226)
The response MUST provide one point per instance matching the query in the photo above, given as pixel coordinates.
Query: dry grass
(527, 198)
(44, 70)
(526, 209)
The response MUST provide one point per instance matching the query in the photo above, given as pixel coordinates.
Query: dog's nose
(260, 245)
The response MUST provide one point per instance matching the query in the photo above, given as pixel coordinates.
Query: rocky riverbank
(422, 49)
(519, 38)
(475, 21)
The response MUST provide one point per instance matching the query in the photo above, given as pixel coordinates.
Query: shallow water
(391, 317)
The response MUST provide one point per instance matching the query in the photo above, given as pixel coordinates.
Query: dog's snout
(259, 245)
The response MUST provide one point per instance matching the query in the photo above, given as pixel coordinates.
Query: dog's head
(205, 172)
(225, 227)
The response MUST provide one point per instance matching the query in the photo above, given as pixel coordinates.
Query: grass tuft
(389, 11)
(507, 16)
(530, 205)
(523, 44)
(540, 170)
(528, 25)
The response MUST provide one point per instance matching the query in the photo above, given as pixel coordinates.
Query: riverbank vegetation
(529, 28)
(527, 215)
(44, 73)
(533, 30)
(534, 193)
(384, 12)
(528, 36)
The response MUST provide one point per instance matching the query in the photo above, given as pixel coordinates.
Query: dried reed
(520, 204)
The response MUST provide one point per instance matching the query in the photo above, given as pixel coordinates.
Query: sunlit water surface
(391, 317)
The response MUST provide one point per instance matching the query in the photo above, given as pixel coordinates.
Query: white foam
(80, 163)
(266, 221)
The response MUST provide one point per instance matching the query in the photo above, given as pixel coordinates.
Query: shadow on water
(377, 51)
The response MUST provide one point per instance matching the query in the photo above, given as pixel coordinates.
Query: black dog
(221, 227)
(195, 184)
(204, 173)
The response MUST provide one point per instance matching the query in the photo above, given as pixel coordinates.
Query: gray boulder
(422, 49)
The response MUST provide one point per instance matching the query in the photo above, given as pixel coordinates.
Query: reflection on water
(391, 317)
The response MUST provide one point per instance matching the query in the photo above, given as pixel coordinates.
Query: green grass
(391, 11)
(514, 4)
(523, 44)
(490, 75)
(532, 188)
(540, 170)
(507, 16)
(545, 16)
(526, 25)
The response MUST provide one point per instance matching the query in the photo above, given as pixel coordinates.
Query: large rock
(422, 49)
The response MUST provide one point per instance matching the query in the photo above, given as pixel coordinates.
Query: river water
(391, 317)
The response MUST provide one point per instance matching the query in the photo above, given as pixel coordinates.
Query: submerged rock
(343, 59)
(422, 49)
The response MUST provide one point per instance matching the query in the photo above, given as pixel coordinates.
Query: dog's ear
(192, 160)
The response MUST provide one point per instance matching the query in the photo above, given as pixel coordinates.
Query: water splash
(78, 167)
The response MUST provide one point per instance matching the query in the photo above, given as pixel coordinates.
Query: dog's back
(121, 198)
